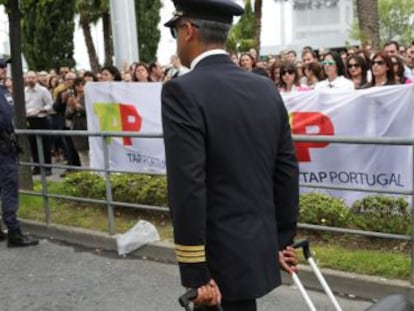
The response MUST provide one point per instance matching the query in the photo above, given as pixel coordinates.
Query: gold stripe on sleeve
(190, 248)
(198, 259)
(190, 254)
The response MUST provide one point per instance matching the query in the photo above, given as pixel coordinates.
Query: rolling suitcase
(394, 302)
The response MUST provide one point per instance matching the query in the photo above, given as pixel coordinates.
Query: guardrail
(109, 202)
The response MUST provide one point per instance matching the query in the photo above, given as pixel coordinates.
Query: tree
(148, 18)
(89, 13)
(47, 37)
(368, 22)
(258, 23)
(12, 8)
(396, 20)
(241, 37)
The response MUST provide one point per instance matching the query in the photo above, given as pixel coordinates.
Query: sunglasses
(174, 30)
(354, 65)
(328, 62)
(289, 71)
(2, 66)
(378, 62)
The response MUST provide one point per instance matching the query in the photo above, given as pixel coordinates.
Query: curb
(343, 283)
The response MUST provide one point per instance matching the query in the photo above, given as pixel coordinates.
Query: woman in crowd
(89, 76)
(246, 62)
(289, 79)
(76, 114)
(335, 70)
(398, 67)
(314, 73)
(274, 72)
(110, 73)
(141, 73)
(357, 70)
(382, 70)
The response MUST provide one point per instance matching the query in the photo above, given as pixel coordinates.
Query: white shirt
(339, 83)
(38, 98)
(206, 54)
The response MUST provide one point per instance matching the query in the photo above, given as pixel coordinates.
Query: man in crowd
(156, 73)
(232, 185)
(38, 105)
(8, 168)
(392, 48)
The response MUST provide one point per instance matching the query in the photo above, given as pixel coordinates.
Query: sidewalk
(348, 284)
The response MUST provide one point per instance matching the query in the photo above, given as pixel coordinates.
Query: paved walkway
(57, 277)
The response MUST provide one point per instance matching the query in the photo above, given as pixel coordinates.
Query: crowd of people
(55, 100)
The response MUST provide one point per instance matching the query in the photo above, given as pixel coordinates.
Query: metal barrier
(109, 202)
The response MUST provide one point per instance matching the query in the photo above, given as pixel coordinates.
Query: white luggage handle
(304, 244)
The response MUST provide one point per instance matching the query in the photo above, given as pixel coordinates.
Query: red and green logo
(117, 117)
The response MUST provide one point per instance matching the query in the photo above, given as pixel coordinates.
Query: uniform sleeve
(185, 155)
(286, 183)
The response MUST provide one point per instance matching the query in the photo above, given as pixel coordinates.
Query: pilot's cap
(211, 10)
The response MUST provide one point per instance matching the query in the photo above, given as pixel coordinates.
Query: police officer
(8, 168)
(231, 166)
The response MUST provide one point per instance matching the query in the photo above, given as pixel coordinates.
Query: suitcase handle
(185, 299)
(304, 244)
(190, 295)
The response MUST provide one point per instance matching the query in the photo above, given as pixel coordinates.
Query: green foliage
(47, 33)
(322, 209)
(148, 18)
(241, 36)
(383, 214)
(131, 188)
(395, 20)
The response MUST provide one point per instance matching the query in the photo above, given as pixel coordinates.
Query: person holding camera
(61, 107)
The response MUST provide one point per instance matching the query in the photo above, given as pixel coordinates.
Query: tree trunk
(93, 58)
(258, 24)
(25, 174)
(108, 43)
(369, 22)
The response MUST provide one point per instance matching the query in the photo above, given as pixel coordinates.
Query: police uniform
(231, 167)
(8, 169)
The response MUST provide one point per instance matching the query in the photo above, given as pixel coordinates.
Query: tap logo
(117, 117)
(309, 123)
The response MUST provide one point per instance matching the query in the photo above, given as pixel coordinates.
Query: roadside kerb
(366, 287)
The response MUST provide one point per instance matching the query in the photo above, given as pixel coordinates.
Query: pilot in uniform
(231, 166)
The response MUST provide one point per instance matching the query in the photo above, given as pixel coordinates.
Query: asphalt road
(57, 277)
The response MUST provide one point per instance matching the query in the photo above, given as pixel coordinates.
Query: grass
(344, 254)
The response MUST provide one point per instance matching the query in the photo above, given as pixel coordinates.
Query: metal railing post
(45, 196)
(412, 215)
(108, 186)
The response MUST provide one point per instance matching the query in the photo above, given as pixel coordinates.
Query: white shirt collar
(204, 55)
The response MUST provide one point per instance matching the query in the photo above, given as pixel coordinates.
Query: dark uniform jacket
(232, 177)
(6, 110)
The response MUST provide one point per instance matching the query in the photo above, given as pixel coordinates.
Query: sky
(271, 33)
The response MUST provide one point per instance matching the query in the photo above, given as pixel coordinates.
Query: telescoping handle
(304, 244)
(189, 296)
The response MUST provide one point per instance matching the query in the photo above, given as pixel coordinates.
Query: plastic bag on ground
(142, 233)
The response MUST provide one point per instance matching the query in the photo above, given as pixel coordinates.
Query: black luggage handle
(185, 299)
(304, 244)
(190, 295)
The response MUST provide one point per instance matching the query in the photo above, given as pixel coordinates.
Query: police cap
(212, 10)
(4, 61)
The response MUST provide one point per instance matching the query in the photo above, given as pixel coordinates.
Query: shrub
(383, 214)
(131, 188)
(321, 209)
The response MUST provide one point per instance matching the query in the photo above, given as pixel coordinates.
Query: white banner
(126, 107)
(375, 112)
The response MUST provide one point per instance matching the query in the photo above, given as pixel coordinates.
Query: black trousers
(35, 123)
(241, 305)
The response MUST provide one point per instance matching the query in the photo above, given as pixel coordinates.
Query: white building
(315, 23)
